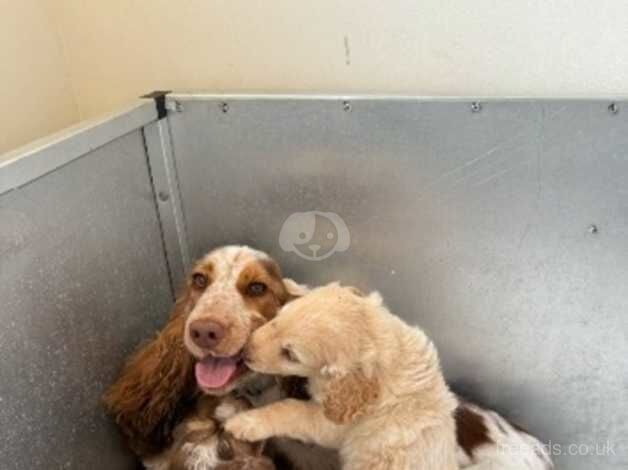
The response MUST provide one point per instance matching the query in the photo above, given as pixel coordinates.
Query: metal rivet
(593, 229)
(163, 196)
(224, 107)
(613, 108)
(346, 106)
(476, 107)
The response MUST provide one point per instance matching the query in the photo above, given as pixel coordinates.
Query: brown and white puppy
(378, 394)
(229, 292)
(200, 443)
(487, 441)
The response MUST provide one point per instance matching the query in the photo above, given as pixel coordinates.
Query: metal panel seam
(158, 215)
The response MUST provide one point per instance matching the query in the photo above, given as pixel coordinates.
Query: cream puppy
(378, 393)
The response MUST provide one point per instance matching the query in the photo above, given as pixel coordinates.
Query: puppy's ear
(294, 289)
(150, 394)
(348, 395)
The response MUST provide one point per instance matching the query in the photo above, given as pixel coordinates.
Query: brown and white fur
(378, 394)
(487, 441)
(200, 443)
(158, 384)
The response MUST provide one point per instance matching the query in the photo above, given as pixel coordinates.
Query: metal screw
(224, 107)
(476, 107)
(613, 108)
(163, 196)
(346, 106)
(593, 229)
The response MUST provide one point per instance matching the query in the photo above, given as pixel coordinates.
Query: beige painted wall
(35, 90)
(115, 50)
(119, 49)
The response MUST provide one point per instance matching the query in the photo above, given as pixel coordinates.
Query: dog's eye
(200, 280)
(255, 289)
(289, 354)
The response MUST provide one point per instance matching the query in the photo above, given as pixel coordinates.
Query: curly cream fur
(378, 392)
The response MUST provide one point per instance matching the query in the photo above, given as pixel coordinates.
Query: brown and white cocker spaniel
(227, 295)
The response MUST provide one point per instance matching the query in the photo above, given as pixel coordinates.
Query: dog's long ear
(348, 395)
(154, 386)
(294, 289)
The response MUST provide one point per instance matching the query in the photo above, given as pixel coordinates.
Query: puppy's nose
(206, 333)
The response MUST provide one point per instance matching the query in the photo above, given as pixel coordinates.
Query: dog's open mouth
(218, 372)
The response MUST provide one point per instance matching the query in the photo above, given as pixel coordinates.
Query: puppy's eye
(224, 449)
(200, 280)
(256, 289)
(289, 354)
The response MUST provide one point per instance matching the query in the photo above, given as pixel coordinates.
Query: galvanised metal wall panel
(83, 279)
(42, 156)
(501, 229)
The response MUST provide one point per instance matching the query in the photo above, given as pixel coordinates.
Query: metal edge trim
(20, 166)
(200, 95)
(167, 199)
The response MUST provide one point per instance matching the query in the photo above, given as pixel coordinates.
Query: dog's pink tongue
(215, 372)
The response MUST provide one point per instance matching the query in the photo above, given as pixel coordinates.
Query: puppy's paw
(248, 426)
(229, 407)
(224, 411)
